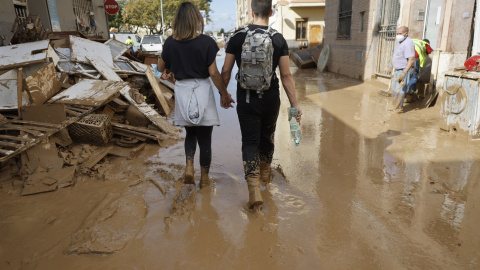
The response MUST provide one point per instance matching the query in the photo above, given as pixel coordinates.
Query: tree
(222, 31)
(147, 13)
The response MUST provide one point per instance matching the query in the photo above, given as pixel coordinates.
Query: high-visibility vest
(420, 48)
(129, 42)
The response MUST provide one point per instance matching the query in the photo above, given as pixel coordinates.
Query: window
(362, 16)
(344, 19)
(301, 29)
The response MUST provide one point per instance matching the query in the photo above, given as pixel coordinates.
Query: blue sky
(223, 15)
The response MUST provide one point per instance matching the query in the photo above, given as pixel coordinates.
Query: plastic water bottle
(295, 133)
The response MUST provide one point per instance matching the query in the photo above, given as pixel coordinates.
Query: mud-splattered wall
(459, 35)
(352, 56)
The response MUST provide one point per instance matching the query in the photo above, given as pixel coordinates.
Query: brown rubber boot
(265, 173)
(255, 201)
(204, 179)
(189, 172)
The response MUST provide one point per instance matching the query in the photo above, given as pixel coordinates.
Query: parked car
(122, 37)
(151, 43)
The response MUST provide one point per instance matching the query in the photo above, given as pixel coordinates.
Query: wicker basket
(92, 129)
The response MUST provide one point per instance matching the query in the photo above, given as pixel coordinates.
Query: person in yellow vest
(130, 43)
(422, 49)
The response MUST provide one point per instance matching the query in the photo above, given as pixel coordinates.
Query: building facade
(244, 13)
(87, 16)
(361, 33)
(301, 22)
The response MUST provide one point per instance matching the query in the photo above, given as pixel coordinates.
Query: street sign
(111, 7)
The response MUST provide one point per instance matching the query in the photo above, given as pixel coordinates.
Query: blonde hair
(187, 22)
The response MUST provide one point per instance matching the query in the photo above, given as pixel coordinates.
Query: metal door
(433, 21)
(390, 11)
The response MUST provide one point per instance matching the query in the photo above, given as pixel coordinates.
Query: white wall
(315, 16)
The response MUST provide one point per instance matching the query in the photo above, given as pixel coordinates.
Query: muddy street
(365, 189)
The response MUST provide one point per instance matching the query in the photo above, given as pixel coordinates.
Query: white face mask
(400, 38)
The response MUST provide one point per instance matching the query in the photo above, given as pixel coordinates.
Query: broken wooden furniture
(17, 135)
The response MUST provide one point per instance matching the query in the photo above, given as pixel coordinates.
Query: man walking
(258, 109)
(403, 61)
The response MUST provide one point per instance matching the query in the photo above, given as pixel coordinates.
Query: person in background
(130, 43)
(191, 55)
(422, 49)
(403, 62)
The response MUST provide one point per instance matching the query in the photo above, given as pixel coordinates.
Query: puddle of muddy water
(365, 189)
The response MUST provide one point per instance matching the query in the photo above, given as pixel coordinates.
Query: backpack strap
(243, 30)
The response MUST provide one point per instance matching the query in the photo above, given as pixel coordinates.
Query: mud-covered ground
(366, 189)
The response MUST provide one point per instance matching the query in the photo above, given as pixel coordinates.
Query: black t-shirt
(190, 59)
(280, 48)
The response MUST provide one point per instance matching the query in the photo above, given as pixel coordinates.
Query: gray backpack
(256, 69)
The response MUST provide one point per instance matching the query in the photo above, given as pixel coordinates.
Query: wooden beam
(156, 89)
(19, 91)
(10, 144)
(13, 138)
(102, 67)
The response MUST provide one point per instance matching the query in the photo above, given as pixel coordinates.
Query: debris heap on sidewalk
(67, 102)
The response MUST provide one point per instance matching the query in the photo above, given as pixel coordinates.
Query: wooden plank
(29, 127)
(35, 123)
(140, 67)
(139, 130)
(167, 93)
(90, 92)
(43, 84)
(10, 144)
(19, 55)
(5, 152)
(19, 128)
(13, 138)
(19, 91)
(97, 157)
(81, 48)
(151, 114)
(104, 69)
(158, 92)
(40, 136)
(52, 55)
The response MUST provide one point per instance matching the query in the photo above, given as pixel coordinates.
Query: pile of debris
(67, 102)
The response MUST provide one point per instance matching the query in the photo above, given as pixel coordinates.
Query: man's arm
(225, 99)
(160, 65)
(410, 62)
(288, 83)
(227, 68)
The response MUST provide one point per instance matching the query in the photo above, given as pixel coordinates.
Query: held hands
(401, 77)
(165, 75)
(226, 101)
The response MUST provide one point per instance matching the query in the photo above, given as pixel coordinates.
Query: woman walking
(190, 55)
